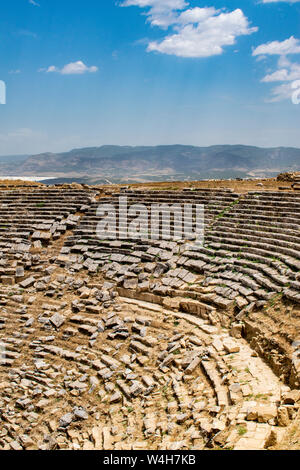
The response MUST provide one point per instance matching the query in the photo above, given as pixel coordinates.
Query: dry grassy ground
(238, 186)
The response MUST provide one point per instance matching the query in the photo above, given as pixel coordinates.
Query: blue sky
(148, 72)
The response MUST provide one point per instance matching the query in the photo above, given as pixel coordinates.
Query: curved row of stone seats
(215, 201)
(243, 274)
(255, 246)
(88, 224)
(246, 263)
(12, 187)
(133, 262)
(34, 218)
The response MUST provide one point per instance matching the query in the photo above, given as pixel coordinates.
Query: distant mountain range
(164, 162)
(13, 158)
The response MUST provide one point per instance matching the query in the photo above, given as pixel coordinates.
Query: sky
(148, 72)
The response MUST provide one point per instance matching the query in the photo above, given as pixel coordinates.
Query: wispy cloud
(161, 13)
(287, 71)
(73, 68)
(34, 3)
(26, 33)
(282, 1)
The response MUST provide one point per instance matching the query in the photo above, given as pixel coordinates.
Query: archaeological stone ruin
(141, 343)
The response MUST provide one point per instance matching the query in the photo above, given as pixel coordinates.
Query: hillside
(158, 163)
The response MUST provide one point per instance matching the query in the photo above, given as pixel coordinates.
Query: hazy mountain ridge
(171, 160)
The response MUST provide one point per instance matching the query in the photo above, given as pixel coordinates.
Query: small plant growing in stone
(242, 430)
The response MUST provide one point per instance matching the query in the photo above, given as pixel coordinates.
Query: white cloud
(52, 68)
(280, 93)
(284, 75)
(288, 78)
(161, 13)
(73, 68)
(197, 32)
(282, 1)
(34, 3)
(287, 72)
(278, 76)
(289, 46)
(207, 37)
(195, 15)
(78, 68)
